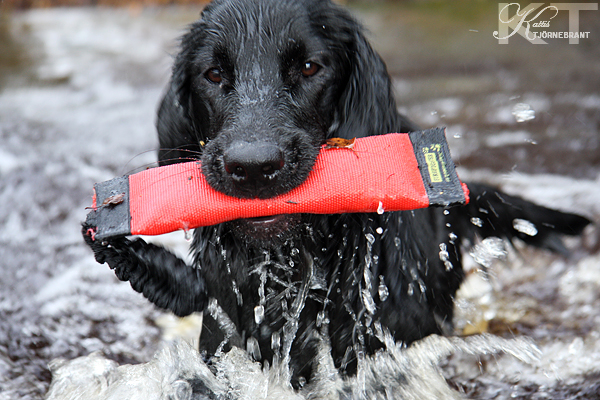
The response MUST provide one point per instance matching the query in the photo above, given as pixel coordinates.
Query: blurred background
(79, 85)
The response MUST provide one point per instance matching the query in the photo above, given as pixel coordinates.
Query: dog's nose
(253, 165)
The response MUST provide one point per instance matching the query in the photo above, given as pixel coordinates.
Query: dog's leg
(158, 274)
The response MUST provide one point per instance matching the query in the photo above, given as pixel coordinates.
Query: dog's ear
(178, 134)
(367, 105)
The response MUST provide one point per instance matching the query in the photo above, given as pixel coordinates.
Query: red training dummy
(390, 172)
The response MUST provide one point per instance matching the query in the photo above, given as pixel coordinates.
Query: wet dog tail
(494, 213)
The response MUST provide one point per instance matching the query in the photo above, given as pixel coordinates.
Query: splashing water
(382, 289)
(253, 348)
(477, 221)
(523, 112)
(261, 270)
(275, 342)
(525, 227)
(259, 314)
(368, 301)
(187, 233)
(225, 324)
(445, 256)
(177, 372)
(488, 250)
(367, 290)
(290, 328)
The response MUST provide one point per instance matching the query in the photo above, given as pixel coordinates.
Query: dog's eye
(214, 75)
(310, 68)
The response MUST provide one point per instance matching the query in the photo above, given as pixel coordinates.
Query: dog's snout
(253, 165)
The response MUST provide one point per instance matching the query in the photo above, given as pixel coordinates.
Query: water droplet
(301, 381)
(370, 238)
(523, 112)
(411, 289)
(253, 348)
(525, 227)
(397, 242)
(275, 341)
(446, 212)
(259, 314)
(380, 209)
(237, 292)
(488, 250)
(322, 319)
(477, 221)
(294, 251)
(187, 234)
(422, 286)
(379, 230)
(445, 257)
(443, 250)
(452, 237)
(382, 289)
(368, 301)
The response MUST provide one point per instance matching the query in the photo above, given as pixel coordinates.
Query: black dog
(256, 89)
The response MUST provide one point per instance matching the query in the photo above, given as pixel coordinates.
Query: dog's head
(258, 86)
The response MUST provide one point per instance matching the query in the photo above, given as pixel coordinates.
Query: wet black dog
(256, 89)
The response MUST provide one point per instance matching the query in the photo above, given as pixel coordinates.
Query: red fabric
(380, 172)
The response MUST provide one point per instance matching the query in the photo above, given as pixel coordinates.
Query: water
(382, 289)
(488, 250)
(77, 105)
(525, 227)
(380, 209)
(523, 112)
(405, 373)
(259, 313)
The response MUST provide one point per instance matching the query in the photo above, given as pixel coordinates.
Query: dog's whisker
(135, 157)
